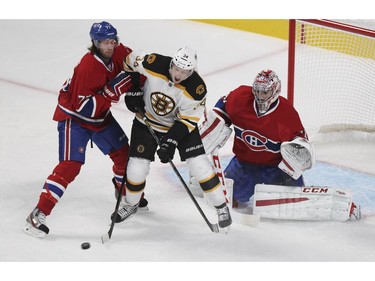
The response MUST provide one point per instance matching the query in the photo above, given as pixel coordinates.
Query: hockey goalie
(271, 152)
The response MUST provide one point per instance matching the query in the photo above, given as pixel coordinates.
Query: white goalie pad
(214, 132)
(298, 155)
(311, 203)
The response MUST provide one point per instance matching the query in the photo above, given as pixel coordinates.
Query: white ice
(38, 55)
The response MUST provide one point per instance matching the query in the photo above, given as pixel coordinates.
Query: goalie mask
(183, 64)
(266, 89)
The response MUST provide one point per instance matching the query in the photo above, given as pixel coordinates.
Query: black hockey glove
(167, 149)
(170, 140)
(134, 100)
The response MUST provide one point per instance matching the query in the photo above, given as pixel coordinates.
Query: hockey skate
(36, 224)
(355, 212)
(225, 219)
(142, 206)
(124, 212)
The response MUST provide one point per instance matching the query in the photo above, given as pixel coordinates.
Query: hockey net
(331, 75)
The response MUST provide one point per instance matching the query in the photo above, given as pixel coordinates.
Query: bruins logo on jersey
(161, 103)
(151, 58)
(140, 148)
(200, 90)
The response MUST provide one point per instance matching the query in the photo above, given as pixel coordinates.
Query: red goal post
(331, 75)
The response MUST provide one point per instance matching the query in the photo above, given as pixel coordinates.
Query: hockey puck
(85, 246)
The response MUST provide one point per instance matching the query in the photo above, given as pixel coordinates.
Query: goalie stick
(242, 218)
(220, 174)
(213, 227)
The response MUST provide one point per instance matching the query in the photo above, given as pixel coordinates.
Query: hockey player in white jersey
(173, 101)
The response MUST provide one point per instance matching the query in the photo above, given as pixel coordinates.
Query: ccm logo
(314, 190)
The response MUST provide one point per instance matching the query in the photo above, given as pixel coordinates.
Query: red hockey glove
(117, 87)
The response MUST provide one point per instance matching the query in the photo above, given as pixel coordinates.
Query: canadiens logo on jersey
(255, 141)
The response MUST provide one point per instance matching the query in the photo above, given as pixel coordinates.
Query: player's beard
(107, 53)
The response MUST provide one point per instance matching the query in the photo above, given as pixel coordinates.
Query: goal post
(331, 75)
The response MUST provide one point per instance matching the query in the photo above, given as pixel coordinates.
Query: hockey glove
(167, 149)
(134, 100)
(169, 142)
(117, 87)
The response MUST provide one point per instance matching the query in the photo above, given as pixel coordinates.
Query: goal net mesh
(334, 78)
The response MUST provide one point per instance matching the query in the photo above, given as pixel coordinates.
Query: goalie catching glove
(298, 155)
(214, 132)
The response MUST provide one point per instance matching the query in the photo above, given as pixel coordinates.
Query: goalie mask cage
(331, 75)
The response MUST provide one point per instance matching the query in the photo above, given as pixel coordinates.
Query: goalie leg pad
(302, 203)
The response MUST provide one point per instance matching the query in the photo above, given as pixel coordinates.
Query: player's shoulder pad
(195, 86)
(157, 63)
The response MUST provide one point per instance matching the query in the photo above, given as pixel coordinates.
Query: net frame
(331, 75)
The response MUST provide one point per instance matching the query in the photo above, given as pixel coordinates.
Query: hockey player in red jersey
(262, 122)
(83, 115)
(271, 152)
(173, 101)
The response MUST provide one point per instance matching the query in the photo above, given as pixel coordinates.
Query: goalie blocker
(304, 203)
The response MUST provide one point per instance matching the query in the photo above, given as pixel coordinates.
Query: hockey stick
(106, 237)
(242, 218)
(220, 174)
(213, 227)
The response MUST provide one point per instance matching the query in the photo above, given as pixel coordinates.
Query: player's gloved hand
(134, 100)
(117, 87)
(167, 149)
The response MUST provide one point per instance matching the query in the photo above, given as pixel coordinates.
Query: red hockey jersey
(80, 97)
(258, 138)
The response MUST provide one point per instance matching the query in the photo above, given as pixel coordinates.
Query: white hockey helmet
(266, 89)
(185, 58)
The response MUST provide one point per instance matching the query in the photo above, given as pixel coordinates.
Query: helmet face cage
(185, 58)
(266, 89)
(178, 74)
(102, 31)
